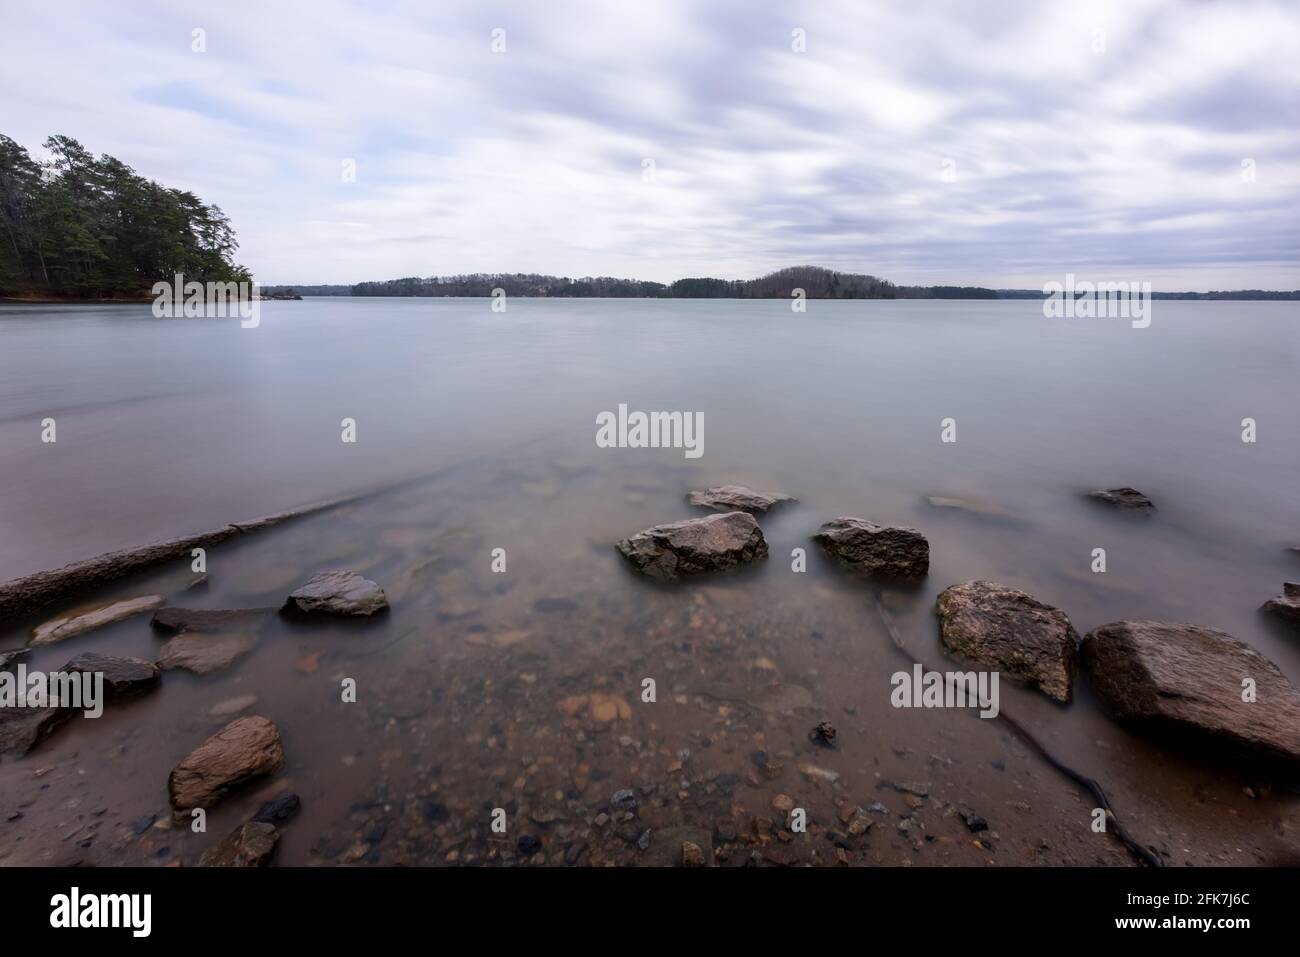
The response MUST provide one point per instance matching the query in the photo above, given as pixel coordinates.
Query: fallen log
(24, 596)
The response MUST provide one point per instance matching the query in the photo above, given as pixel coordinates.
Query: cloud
(1000, 144)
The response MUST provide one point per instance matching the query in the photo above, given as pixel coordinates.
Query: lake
(482, 425)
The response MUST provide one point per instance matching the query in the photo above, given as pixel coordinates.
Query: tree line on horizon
(82, 227)
(815, 281)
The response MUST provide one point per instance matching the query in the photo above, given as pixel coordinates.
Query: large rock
(205, 653)
(249, 845)
(1288, 606)
(883, 550)
(22, 729)
(1124, 497)
(82, 620)
(732, 498)
(337, 593)
(1003, 628)
(172, 620)
(124, 677)
(1174, 676)
(696, 545)
(245, 749)
(10, 655)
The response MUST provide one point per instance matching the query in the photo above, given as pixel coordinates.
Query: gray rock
(886, 551)
(173, 620)
(124, 677)
(249, 845)
(22, 729)
(337, 593)
(731, 498)
(1123, 497)
(245, 749)
(1288, 606)
(279, 811)
(1003, 628)
(205, 653)
(1159, 675)
(695, 546)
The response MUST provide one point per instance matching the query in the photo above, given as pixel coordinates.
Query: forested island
(80, 227)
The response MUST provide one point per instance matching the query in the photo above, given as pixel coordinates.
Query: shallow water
(167, 427)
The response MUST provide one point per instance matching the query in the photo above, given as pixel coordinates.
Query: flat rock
(1288, 606)
(245, 749)
(1163, 675)
(205, 653)
(1124, 497)
(22, 729)
(887, 551)
(696, 545)
(232, 706)
(1003, 628)
(82, 620)
(337, 593)
(249, 845)
(124, 677)
(174, 620)
(731, 498)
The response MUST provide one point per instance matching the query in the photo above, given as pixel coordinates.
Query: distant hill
(815, 281)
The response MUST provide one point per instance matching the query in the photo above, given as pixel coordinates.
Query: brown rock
(245, 749)
(1158, 675)
(1003, 628)
(204, 653)
(692, 855)
(249, 845)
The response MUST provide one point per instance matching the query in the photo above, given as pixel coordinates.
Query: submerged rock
(279, 811)
(887, 551)
(22, 729)
(1124, 497)
(205, 653)
(124, 677)
(1174, 676)
(82, 620)
(1003, 628)
(1288, 606)
(203, 619)
(730, 498)
(245, 749)
(337, 593)
(696, 545)
(249, 845)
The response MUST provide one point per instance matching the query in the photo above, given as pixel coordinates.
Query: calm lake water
(466, 690)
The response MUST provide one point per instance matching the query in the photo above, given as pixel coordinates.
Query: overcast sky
(998, 144)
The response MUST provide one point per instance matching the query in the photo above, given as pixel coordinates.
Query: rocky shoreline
(1152, 676)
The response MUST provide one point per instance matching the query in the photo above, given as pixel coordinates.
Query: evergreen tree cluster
(83, 227)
